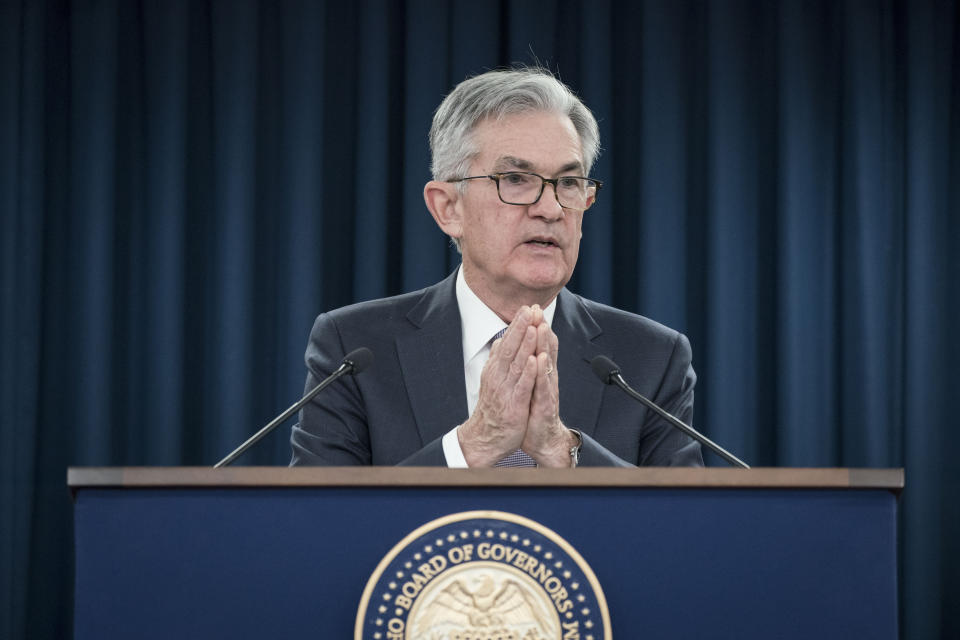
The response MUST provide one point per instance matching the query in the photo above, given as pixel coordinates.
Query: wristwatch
(575, 450)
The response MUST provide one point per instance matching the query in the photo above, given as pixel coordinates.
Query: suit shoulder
(396, 314)
(620, 324)
(380, 308)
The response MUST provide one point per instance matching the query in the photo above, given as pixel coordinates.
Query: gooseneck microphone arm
(353, 363)
(608, 371)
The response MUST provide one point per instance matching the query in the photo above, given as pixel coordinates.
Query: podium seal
(483, 575)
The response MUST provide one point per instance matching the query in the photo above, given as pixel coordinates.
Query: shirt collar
(478, 322)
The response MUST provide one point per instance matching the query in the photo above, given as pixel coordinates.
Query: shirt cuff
(452, 451)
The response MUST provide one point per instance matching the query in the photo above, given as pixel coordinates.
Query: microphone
(353, 363)
(608, 371)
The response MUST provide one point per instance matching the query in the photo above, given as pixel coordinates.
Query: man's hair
(495, 95)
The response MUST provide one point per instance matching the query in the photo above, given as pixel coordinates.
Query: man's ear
(442, 199)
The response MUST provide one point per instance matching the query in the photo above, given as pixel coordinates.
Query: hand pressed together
(518, 406)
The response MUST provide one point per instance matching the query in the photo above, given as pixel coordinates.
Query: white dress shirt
(478, 323)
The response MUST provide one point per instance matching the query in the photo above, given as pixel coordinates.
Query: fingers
(526, 383)
(505, 349)
(548, 344)
(545, 399)
(504, 368)
(536, 315)
(523, 337)
(546, 438)
(538, 347)
(513, 336)
(526, 336)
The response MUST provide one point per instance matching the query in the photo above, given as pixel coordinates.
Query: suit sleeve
(594, 454)
(332, 430)
(661, 444)
(430, 456)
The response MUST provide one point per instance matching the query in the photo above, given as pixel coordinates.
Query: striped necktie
(518, 458)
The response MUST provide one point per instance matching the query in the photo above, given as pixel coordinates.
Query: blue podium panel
(292, 562)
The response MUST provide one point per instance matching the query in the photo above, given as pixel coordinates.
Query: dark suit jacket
(397, 411)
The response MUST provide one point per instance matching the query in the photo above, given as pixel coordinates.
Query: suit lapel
(431, 359)
(580, 390)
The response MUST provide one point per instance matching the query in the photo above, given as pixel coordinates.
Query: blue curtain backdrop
(184, 185)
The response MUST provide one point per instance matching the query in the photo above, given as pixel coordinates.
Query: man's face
(526, 253)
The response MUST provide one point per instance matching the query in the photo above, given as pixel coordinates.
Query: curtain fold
(185, 185)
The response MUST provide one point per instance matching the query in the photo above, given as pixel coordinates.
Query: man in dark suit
(491, 366)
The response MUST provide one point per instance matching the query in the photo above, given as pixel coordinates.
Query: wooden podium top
(653, 477)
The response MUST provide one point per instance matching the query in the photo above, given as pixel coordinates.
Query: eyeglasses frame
(543, 185)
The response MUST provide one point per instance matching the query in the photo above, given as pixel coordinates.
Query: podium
(679, 553)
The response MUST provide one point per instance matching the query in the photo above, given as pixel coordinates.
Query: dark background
(185, 185)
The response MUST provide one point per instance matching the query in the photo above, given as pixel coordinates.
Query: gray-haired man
(489, 366)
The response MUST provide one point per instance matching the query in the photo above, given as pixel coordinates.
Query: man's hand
(547, 440)
(518, 406)
(499, 422)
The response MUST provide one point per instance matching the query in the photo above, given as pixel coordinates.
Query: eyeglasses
(523, 188)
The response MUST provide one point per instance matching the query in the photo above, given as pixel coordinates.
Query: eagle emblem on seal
(483, 604)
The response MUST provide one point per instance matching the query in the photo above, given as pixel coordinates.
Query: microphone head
(604, 368)
(358, 360)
